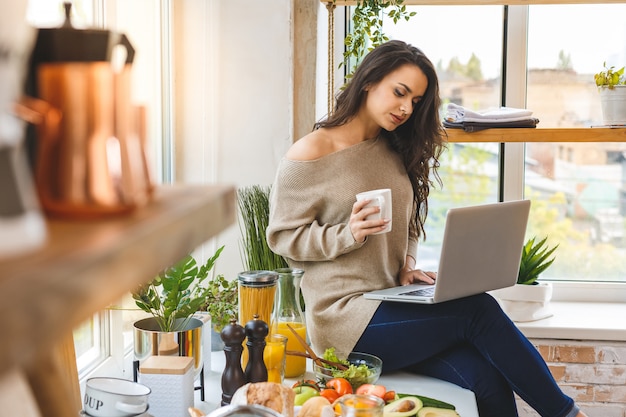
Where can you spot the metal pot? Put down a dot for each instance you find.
(149, 340)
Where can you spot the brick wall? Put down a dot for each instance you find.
(591, 372)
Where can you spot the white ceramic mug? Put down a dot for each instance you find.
(382, 199)
(115, 397)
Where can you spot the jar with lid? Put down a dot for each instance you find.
(287, 316)
(257, 290)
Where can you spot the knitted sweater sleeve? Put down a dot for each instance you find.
(296, 229)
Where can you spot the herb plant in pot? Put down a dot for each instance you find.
(254, 211)
(172, 298)
(529, 298)
(611, 85)
(221, 304)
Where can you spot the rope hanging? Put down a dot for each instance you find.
(330, 6)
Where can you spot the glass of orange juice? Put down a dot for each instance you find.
(274, 356)
(295, 365)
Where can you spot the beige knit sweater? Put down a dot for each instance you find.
(310, 208)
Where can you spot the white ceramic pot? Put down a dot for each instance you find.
(523, 303)
(613, 105)
(115, 397)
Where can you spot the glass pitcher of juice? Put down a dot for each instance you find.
(288, 312)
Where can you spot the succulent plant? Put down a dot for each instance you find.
(534, 260)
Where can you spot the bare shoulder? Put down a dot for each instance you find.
(312, 146)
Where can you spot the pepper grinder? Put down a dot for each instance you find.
(256, 331)
(233, 376)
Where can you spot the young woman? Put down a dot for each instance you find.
(385, 132)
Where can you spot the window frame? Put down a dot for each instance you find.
(513, 146)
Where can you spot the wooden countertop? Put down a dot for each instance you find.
(86, 265)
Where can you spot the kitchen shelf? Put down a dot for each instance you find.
(480, 2)
(588, 134)
(86, 265)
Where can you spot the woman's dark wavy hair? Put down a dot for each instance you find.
(419, 140)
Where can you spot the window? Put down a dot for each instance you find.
(577, 189)
(583, 182)
(467, 52)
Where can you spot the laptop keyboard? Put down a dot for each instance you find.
(422, 292)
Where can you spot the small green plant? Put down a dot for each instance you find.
(609, 77)
(534, 260)
(221, 302)
(176, 292)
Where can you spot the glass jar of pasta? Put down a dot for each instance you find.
(257, 290)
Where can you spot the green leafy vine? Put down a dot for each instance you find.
(366, 31)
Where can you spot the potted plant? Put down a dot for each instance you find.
(172, 298)
(220, 305)
(221, 301)
(534, 261)
(529, 299)
(254, 208)
(611, 85)
(176, 294)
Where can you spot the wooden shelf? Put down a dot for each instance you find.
(481, 2)
(86, 265)
(599, 134)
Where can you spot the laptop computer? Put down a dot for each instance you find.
(481, 251)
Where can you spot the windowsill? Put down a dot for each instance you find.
(580, 321)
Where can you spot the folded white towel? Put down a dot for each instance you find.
(458, 114)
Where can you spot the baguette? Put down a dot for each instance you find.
(268, 394)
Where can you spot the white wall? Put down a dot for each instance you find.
(232, 90)
(233, 108)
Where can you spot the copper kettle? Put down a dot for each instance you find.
(93, 163)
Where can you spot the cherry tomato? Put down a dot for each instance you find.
(371, 389)
(389, 397)
(341, 385)
(330, 394)
(306, 383)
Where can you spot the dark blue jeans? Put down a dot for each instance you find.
(471, 343)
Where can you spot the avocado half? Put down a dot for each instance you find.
(404, 407)
(436, 412)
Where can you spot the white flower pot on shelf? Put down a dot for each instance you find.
(613, 103)
(523, 303)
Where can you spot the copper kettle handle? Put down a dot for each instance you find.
(47, 120)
